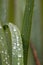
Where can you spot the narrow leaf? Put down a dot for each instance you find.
(17, 49)
(26, 27)
(4, 11)
(11, 11)
(19, 12)
(3, 48)
(8, 41)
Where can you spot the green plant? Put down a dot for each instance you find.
(18, 24)
(7, 15)
(11, 49)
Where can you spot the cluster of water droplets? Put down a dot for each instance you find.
(3, 48)
(17, 50)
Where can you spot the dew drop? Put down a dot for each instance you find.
(14, 29)
(14, 47)
(19, 49)
(14, 44)
(5, 52)
(19, 55)
(18, 44)
(18, 63)
(2, 51)
(17, 37)
(1, 37)
(6, 58)
(6, 62)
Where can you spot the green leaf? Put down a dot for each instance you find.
(26, 27)
(19, 12)
(3, 48)
(7, 11)
(31, 60)
(8, 41)
(4, 11)
(36, 33)
(11, 11)
(17, 48)
(41, 8)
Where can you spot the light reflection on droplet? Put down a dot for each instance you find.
(19, 49)
(6, 52)
(17, 37)
(18, 44)
(2, 51)
(19, 55)
(14, 47)
(1, 37)
(18, 63)
(6, 58)
(14, 29)
(14, 43)
(6, 62)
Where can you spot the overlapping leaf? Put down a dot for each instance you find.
(26, 27)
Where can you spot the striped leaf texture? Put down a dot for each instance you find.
(11, 48)
(8, 41)
(26, 27)
(4, 56)
(17, 48)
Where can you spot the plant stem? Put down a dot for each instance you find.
(35, 54)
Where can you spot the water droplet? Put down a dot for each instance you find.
(18, 44)
(14, 47)
(1, 37)
(6, 52)
(6, 58)
(19, 55)
(14, 29)
(14, 44)
(19, 49)
(18, 63)
(17, 37)
(2, 51)
(6, 62)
